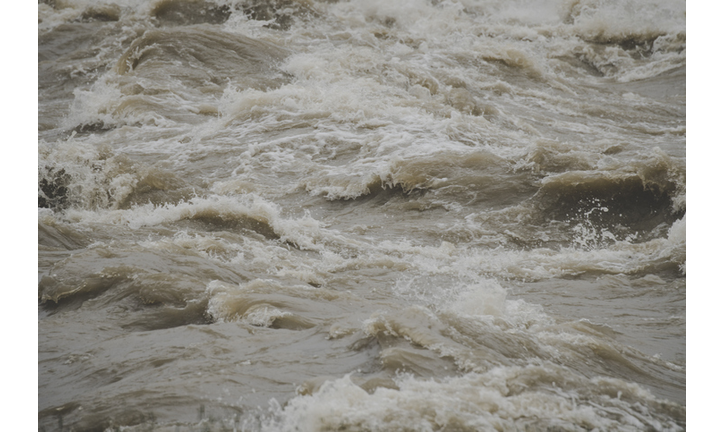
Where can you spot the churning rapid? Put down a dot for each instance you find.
(380, 215)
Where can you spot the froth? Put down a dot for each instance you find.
(508, 398)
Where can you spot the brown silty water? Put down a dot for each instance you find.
(398, 215)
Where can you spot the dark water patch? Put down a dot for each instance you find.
(595, 57)
(92, 178)
(584, 63)
(80, 183)
(623, 204)
(381, 192)
(103, 13)
(640, 45)
(188, 12)
(148, 194)
(53, 188)
(219, 221)
(358, 189)
(512, 63)
(281, 13)
(91, 128)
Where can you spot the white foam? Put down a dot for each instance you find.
(506, 398)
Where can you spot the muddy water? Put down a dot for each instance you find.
(383, 215)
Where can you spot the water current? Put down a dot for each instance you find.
(380, 215)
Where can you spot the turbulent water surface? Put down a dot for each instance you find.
(380, 215)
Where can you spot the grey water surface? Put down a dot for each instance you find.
(383, 215)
